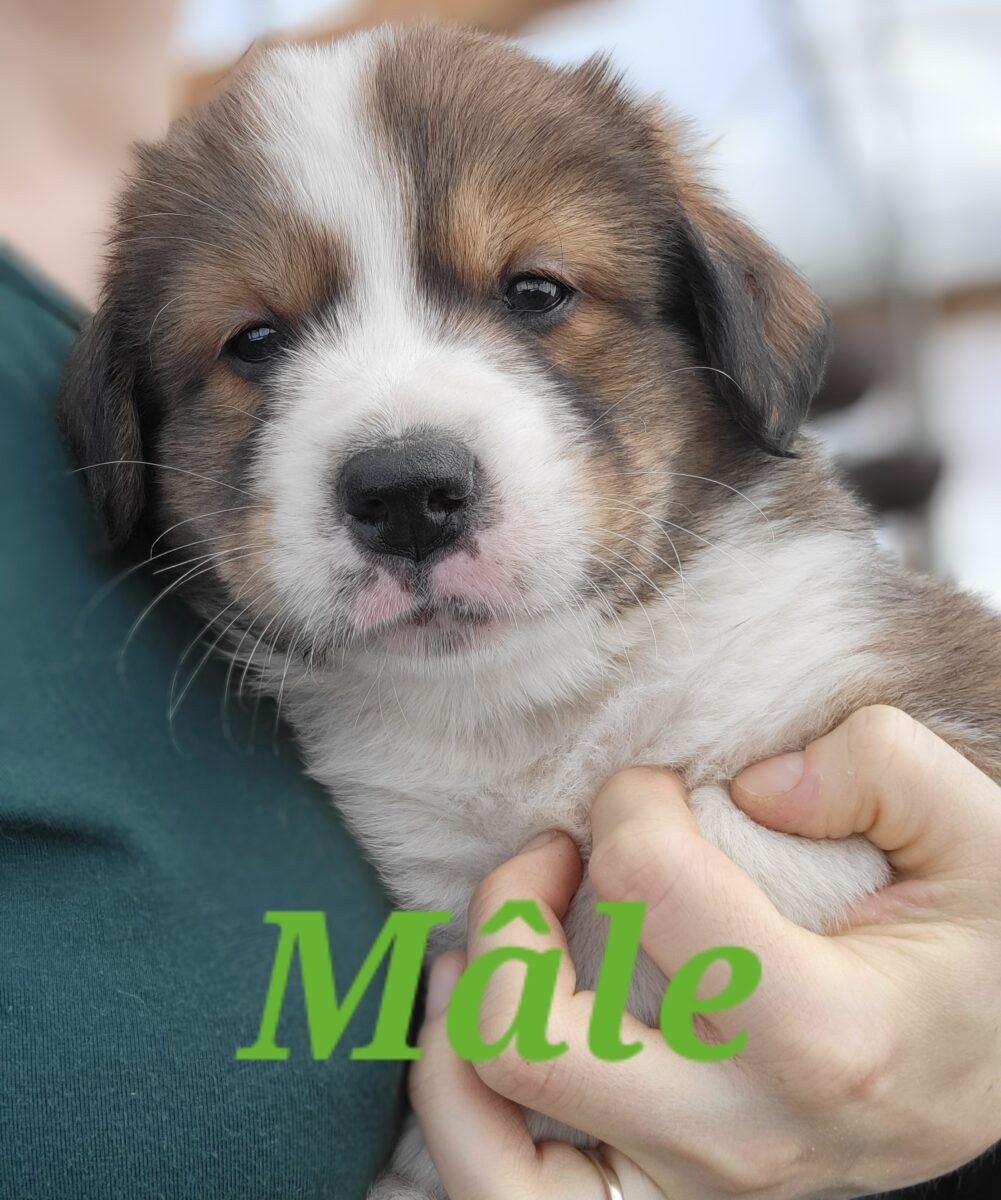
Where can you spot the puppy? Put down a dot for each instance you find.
(484, 415)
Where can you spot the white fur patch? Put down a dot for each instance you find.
(442, 779)
(444, 771)
(383, 365)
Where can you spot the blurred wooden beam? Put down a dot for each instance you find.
(971, 299)
(493, 16)
(871, 311)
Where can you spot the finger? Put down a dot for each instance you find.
(478, 1139)
(886, 776)
(635, 1182)
(646, 847)
(567, 1172)
(626, 1103)
(546, 872)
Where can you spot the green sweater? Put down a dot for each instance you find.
(136, 863)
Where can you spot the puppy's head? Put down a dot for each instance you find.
(416, 340)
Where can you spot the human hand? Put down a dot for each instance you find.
(873, 1057)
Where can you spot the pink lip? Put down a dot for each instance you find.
(438, 630)
(385, 601)
(396, 614)
(478, 578)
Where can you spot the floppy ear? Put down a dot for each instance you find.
(761, 326)
(100, 421)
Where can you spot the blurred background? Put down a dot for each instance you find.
(862, 137)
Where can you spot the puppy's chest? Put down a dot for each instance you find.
(437, 812)
(441, 787)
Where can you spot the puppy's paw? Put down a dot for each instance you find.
(811, 882)
(394, 1187)
(411, 1174)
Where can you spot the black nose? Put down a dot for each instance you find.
(409, 497)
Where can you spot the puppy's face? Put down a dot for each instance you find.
(424, 345)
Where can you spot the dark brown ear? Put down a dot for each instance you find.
(100, 421)
(764, 332)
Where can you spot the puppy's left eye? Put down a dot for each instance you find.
(535, 294)
(255, 345)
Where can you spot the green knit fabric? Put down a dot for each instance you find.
(136, 863)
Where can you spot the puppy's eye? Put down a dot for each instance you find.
(255, 345)
(535, 294)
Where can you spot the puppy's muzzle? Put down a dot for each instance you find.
(410, 498)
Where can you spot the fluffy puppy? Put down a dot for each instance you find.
(484, 416)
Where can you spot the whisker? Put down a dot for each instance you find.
(212, 208)
(242, 411)
(140, 462)
(208, 627)
(673, 607)
(234, 658)
(202, 517)
(160, 312)
(193, 573)
(175, 704)
(691, 532)
(654, 477)
(106, 589)
(639, 603)
(608, 408)
(165, 237)
(281, 688)
(685, 582)
(202, 557)
(610, 610)
(704, 367)
(736, 491)
(274, 644)
(253, 653)
(288, 659)
(361, 707)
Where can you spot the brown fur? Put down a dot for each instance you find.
(687, 360)
(691, 353)
(515, 164)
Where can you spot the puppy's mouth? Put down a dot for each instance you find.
(437, 613)
(435, 626)
(458, 601)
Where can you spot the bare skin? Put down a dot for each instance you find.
(86, 81)
(873, 1058)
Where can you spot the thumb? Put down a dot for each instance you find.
(882, 774)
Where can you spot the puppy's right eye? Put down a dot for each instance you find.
(255, 345)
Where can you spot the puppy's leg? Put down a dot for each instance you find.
(811, 882)
(411, 1175)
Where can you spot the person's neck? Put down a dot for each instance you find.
(97, 74)
(83, 83)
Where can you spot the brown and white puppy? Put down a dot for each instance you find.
(484, 417)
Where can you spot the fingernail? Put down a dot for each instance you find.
(773, 776)
(445, 972)
(540, 839)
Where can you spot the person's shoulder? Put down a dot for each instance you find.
(39, 323)
(152, 812)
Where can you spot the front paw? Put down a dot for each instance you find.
(394, 1187)
(411, 1174)
(811, 882)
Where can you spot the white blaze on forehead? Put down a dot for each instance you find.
(314, 105)
(382, 364)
